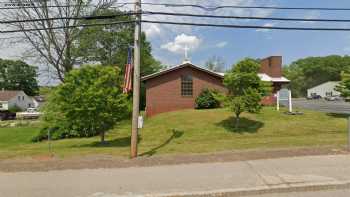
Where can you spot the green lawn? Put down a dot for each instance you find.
(192, 131)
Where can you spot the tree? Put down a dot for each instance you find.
(312, 71)
(90, 102)
(52, 47)
(215, 63)
(18, 75)
(108, 45)
(344, 85)
(245, 88)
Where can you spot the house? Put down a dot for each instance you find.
(324, 89)
(177, 88)
(9, 99)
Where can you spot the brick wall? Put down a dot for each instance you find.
(272, 66)
(164, 92)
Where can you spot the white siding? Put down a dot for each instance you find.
(323, 89)
(22, 101)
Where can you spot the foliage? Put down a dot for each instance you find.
(344, 85)
(215, 63)
(312, 71)
(90, 102)
(108, 45)
(245, 88)
(18, 75)
(208, 99)
(15, 109)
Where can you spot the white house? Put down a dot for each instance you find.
(10, 99)
(324, 89)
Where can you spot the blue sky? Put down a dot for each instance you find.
(235, 44)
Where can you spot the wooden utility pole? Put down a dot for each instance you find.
(136, 84)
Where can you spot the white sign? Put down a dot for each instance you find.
(140, 122)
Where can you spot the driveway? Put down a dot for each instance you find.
(339, 107)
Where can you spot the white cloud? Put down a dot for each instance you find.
(180, 42)
(266, 25)
(221, 44)
(152, 30)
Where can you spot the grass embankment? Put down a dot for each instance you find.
(192, 131)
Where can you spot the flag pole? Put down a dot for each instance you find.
(136, 84)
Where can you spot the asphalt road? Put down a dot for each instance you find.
(339, 107)
(330, 193)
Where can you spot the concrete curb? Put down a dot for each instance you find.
(298, 187)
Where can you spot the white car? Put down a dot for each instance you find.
(30, 113)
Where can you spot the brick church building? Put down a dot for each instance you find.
(177, 88)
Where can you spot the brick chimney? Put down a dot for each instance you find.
(272, 66)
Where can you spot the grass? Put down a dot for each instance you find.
(192, 131)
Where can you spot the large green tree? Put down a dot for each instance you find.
(90, 102)
(245, 88)
(309, 72)
(344, 85)
(18, 75)
(108, 45)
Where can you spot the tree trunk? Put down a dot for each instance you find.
(102, 134)
(237, 121)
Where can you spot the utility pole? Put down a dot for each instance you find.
(136, 84)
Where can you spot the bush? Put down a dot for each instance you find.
(89, 103)
(208, 99)
(15, 109)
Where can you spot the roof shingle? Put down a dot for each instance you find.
(7, 94)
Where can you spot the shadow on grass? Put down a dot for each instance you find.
(176, 134)
(245, 125)
(339, 115)
(119, 142)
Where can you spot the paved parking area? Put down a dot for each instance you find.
(339, 107)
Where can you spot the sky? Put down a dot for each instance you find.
(168, 41)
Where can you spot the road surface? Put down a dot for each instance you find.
(339, 107)
(179, 179)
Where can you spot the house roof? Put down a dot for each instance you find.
(6, 95)
(263, 76)
(334, 83)
(185, 64)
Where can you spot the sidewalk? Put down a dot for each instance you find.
(313, 172)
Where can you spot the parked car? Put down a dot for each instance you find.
(333, 98)
(312, 97)
(7, 115)
(30, 113)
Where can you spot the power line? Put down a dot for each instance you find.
(246, 17)
(71, 18)
(58, 6)
(207, 8)
(175, 14)
(247, 26)
(67, 27)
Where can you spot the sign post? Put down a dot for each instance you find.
(278, 101)
(290, 101)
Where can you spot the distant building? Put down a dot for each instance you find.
(324, 89)
(9, 99)
(177, 88)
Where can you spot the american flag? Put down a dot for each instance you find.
(128, 73)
